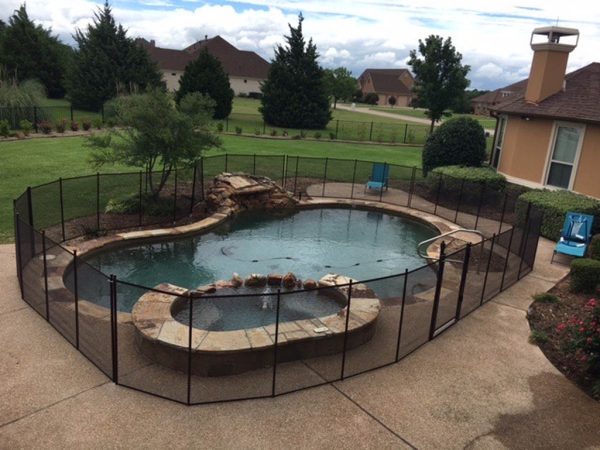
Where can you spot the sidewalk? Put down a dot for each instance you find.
(478, 385)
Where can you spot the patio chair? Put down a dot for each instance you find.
(380, 174)
(575, 235)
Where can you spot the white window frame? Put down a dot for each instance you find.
(549, 160)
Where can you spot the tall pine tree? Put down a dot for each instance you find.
(295, 93)
(206, 75)
(108, 62)
(29, 51)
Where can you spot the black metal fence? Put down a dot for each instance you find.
(86, 305)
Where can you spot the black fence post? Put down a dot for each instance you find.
(189, 361)
(503, 211)
(76, 295)
(487, 268)
(226, 162)
(283, 167)
(412, 186)
(114, 327)
(438, 290)
(349, 297)
(353, 178)
(274, 385)
(337, 127)
(31, 228)
(97, 200)
(102, 113)
(193, 196)
(71, 107)
(460, 194)
(202, 178)
(483, 186)
(140, 205)
(524, 239)
(437, 195)
(264, 127)
(62, 208)
(45, 275)
(35, 119)
(463, 281)
(175, 198)
(405, 132)
(401, 315)
(371, 132)
(512, 232)
(18, 246)
(296, 175)
(226, 124)
(325, 176)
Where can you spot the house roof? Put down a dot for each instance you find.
(494, 97)
(579, 101)
(388, 80)
(237, 63)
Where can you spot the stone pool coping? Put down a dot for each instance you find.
(153, 318)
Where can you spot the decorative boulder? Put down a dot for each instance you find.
(236, 280)
(289, 280)
(256, 280)
(202, 290)
(274, 279)
(309, 283)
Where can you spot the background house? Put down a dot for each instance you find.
(386, 83)
(246, 69)
(483, 104)
(549, 134)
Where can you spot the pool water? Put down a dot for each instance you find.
(310, 243)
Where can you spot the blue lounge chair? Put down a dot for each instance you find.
(575, 235)
(379, 177)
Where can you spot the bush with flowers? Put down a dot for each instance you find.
(583, 335)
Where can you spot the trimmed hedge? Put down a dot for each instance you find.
(585, 275)
(494, 180)
(594, 250)
(555, 205)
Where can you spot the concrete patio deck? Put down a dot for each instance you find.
(478, 385)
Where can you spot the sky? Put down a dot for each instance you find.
(493, 36)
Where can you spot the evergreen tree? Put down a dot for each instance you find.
(206, 75)
(108, 62)
(440, 77)
(295, 93)
(29, 51)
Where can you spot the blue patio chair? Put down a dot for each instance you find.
(575, 236)
(379, 178)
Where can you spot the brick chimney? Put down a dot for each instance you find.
(549, 65)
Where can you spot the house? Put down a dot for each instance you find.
(387, 84)
(246, 69)
(482, 104)
(548, 136)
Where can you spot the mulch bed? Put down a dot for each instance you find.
(546, 316)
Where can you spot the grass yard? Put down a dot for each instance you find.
(55, 109)
(486, 122)
(37, 161)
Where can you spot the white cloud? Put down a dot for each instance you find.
(492, 36)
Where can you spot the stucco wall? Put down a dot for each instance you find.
(587, 180)
(525, 148)
(171, 77)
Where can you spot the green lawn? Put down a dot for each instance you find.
(55, 109)
(37, 161)
(486, 122)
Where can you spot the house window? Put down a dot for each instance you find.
(498, 143)
(245, 81)
(565, 149)
(173, 73)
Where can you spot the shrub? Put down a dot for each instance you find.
(220, 127)
(273, 132)
(594, 250)
(585, 275)
(317, 135)
(61, 126)
(4, 130)
(331, 135)
(584, 336)
(98, 124)
(26, 126)
(111, 123)
(86, 124)
(458, 141)
(538, 337)
(255, 95)
(297, 137)
(131, 205)
(238, 130)
(45, 127)
(555, 205)
(410, 136)
(243, 95)
(302, 134)
(371, 98)
(257, 132)
(74, 126)
(545, 297)
(493, 180)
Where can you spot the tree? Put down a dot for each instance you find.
(294, 94)
(29, 51)
(156, 134)
(440, 77)
(392, 100)
(108, 62)
(457, 142)
(341, 85)
(206, 75)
